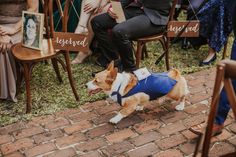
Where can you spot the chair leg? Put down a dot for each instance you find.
(19, 80)
(26, 67)
(55, 67)
(163, 44)
(144, 51)
(225, 50)
(68, 68)
(167, 54)
(199, 140)
(139, 53)
(213, 110)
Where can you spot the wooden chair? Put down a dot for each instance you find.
(225, 50)
(226, 70)
(161, 37)
(27, 58)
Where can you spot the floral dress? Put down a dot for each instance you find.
(215, 23)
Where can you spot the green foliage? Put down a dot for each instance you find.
(49, 96)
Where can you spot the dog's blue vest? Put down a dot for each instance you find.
(155, 85)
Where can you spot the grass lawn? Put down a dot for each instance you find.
(49, 96)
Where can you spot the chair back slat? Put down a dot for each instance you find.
(66, 15)
(172, 10)
(230, 70)
(48, 11)
(46, 24)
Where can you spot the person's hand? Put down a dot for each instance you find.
(7, 30)
(99, 9)
(91, 5)
(5, 43)
(5, 39)
(111, 13)
(4, 47)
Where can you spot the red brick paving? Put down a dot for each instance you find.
(159, 131)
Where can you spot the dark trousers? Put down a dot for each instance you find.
(114, 38)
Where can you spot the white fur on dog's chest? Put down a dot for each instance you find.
(121, 82)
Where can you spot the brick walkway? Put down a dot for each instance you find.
(159, 131)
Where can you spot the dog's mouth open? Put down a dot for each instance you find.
(92, 88)
(95, 91)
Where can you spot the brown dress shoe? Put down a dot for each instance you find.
(200, 128)
(217, 129)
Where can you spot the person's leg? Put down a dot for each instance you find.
(133, 28)
(211, 56)
(82, 55)
(224, 106)
(101, 25)
(84, 17)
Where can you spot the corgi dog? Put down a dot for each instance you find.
(131, 91)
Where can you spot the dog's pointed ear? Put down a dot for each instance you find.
(111, 76)
(110, 66)
(114, 73)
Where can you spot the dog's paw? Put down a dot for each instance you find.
(180, 107)
(139, 108)
(116, 119)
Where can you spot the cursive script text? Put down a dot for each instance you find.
(70, 42)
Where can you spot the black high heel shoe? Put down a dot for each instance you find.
(202, 63)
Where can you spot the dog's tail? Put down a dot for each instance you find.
(174, 74)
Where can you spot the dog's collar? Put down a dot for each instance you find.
(118, 86)
(117, 83)
(116, 96)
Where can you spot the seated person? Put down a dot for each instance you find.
(224, 107)
(10, 26)
(143, 18)
(215, 26)
(89, 9)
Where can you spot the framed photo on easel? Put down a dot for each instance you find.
(32, 29)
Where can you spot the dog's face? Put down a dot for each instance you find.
(103, 80)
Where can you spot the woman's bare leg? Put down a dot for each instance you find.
(82, 55)
(84, 17)
(211, 54)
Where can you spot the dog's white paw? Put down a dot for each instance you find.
(180, 107)
(139, 108)
(116, 119)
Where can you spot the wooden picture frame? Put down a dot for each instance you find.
(32, 29)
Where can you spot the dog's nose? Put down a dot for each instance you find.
(93, 74)
(86, 85)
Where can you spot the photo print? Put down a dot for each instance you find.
(32, 28)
